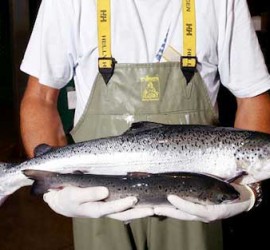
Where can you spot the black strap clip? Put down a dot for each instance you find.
(190, 67)
(106, 72)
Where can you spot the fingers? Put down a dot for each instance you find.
(85, 202)
(99, 209)
(175, 213)
(212, 212)
(203, 213)
(76, 194)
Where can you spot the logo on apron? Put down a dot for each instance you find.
(150, 88)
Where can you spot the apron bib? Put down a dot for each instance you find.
(144, 92)
(156, 92)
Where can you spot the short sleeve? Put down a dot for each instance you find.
(242, 67)
(48, 55)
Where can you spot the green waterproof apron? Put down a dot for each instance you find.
(155, 92)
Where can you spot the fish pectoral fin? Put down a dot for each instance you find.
(42, 149)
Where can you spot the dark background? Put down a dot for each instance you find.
(26, 222)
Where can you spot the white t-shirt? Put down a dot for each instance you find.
(64, 43)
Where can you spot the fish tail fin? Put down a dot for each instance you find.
(41, 180)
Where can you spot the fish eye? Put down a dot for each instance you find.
(221, 198)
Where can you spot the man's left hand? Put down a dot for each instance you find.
(186, 210)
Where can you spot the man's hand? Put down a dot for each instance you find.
(87, 203)
(186, 210)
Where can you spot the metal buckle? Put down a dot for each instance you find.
(106, 71)
(188, 62)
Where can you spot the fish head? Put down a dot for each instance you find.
(223, 193)
(226, 197)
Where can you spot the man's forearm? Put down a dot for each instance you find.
(40, 121)
(253, 113)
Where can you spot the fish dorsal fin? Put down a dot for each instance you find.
(78, 172)
(42, 149)
(143, 126)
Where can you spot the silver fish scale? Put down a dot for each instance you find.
(150, 189)
(255, 148)
(160, 148)
(223, 152)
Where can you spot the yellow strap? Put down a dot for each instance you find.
(189, 34)
(104, 33)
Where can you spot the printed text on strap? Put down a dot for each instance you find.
(106, 62)
(189, 59)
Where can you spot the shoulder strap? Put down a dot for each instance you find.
(105, 61)
(189, 59)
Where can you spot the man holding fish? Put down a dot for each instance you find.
(157, 61)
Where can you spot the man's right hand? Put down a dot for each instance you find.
(88, 203)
